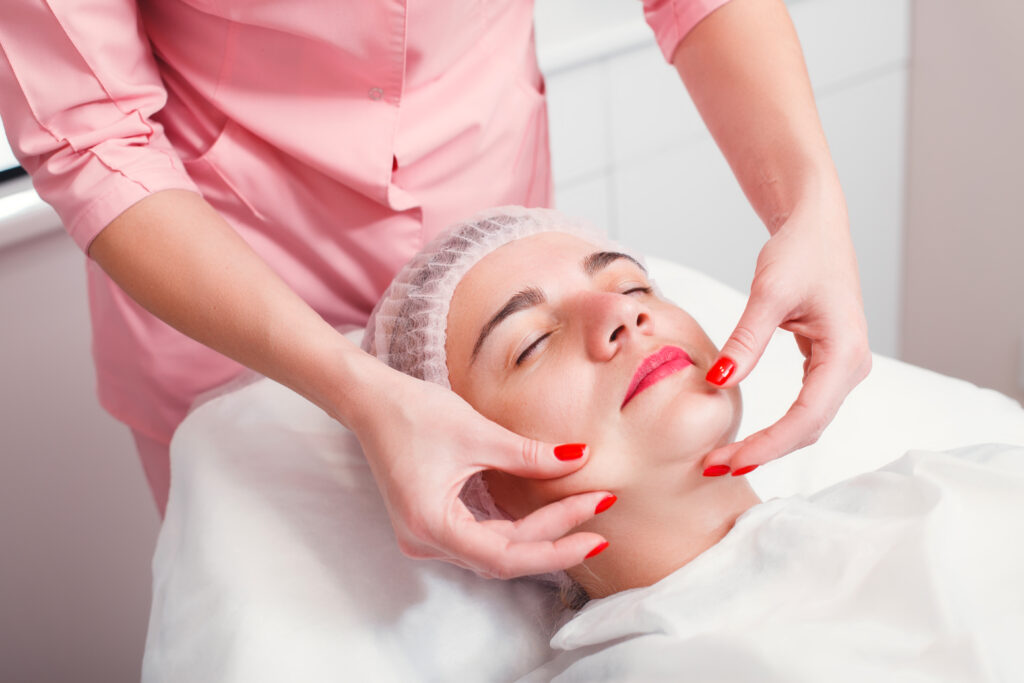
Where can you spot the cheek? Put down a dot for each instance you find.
(554, 407)
(551, 403)
(676, 324)
(705, 349)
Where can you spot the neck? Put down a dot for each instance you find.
(660, 524)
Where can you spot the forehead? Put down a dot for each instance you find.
(520, 259)
(550, 261)
(532, 260)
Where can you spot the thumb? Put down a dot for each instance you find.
(746, 344)
(534, 459)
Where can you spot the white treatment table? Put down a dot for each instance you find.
(276, 561)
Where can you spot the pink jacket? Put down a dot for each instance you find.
(336, 136)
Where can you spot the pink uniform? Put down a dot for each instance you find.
(335, 136)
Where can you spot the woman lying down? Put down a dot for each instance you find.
(911, 572)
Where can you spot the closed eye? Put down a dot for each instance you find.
(531, 348)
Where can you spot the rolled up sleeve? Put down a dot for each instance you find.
(671, 20)
(78, 85)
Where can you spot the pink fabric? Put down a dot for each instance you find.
(671, 20)
(156, 463)
(336, 136)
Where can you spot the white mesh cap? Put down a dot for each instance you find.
(407, 328)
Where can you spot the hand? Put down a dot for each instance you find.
(425, 442)
(805, 282)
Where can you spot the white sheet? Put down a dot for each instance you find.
(276, 561)
(909, 573)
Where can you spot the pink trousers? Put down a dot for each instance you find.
(156, 463)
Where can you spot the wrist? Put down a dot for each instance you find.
(819, 198)
(326, 368)
(363, 385)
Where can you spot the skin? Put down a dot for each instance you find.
(648, 452)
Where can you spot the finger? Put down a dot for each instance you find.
(495, 556)
(715, 460)
(817, 404)
(747, 342)
(459, 563)
(524, 457)
(804, 344)
(555, 519)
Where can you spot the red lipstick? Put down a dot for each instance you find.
(666, 361)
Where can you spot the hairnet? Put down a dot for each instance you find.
(406, 329)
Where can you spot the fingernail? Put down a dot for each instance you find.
(720, 371)
(716, 470)
(595, 551)
(570, 451)
(605, 503)
(744, 470)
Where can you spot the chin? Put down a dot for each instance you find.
(694, 424)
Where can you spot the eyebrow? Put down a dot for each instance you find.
(601, 259)
(532, 296)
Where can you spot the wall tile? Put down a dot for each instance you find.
(844, 38)
(649, 108)
(577, 115)
(866, 129)
(590, 199)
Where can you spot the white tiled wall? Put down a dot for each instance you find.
(630, 150)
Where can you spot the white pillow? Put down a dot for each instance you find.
(276, 560)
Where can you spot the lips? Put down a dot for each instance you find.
(666, 361)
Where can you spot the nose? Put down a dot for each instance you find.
(612, 321)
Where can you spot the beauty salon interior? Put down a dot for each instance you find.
(276, 559)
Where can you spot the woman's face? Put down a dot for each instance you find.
(546, 336)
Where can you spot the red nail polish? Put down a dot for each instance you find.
(716, 470)
(605, 503)
(570, 451)
(595, 551)
(721, 371)
(744, 470)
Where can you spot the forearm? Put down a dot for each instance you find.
(178, 258)
(745, 72)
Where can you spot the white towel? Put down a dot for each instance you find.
(913, 572)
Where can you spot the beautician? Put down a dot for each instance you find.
(245, 177)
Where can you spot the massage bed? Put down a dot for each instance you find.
(276, 560)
